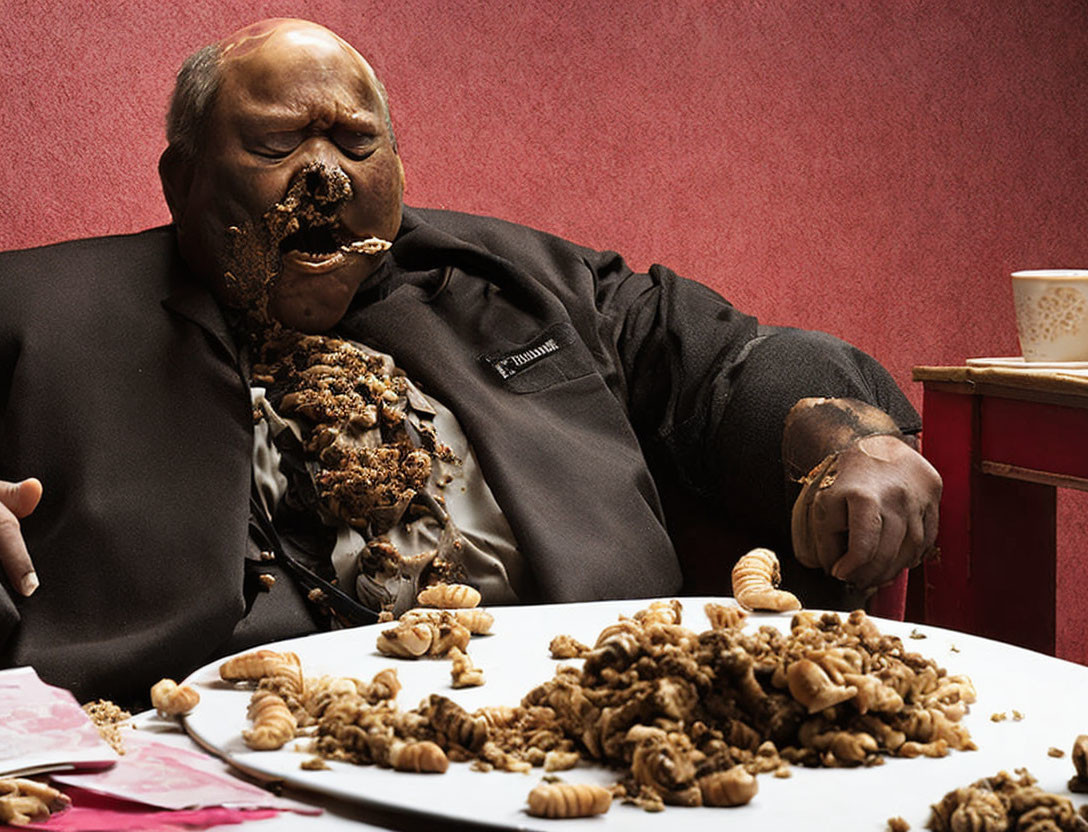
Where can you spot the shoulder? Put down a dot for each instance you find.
(119, 250)
(64, 278)
(465, 225)
(113, 256)
(501, 237)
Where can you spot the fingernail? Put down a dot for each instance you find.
(29, 583)
(837, 570)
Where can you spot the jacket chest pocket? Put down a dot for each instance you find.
(552, 357)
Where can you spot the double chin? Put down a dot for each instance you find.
(314, 297)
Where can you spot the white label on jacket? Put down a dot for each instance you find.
(514, 362)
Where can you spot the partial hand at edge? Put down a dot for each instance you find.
(868, 511)
(17, 500)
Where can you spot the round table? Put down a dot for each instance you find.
(515, 658)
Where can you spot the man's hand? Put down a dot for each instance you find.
(17, 500)
(867, 512)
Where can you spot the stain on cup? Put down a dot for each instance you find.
(1052, 313)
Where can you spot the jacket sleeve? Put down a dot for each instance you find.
(9, 352)
(708, 388)
(9, 616)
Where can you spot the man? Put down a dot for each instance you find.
(537, 385)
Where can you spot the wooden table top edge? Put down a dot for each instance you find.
(1054, 385)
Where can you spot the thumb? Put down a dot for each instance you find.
(803, 525)
(21, 498)
(17, 500)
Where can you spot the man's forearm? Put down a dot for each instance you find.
(816, 427)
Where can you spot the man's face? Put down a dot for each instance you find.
(297, 164)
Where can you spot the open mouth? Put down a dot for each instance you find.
(305, 225)
(319, 242)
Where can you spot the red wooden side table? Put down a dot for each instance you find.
(1003, 440)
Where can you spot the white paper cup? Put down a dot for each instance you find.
(1052, 313)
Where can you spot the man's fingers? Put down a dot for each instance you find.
(829, 525)
(21, 498)
(13, 554)
(866, 526)
(898, 542)
(804, 520)
(930, 522)
(914, 542)
(17, 500)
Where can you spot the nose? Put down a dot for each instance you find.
(324, 184)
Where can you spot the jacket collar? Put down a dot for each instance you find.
(421, 245)
(190, 299)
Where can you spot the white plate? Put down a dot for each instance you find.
(1048, 691)
(1017, 362)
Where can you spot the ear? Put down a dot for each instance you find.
(176, 175)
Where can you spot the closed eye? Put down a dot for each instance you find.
(277, 145)
(355, 144)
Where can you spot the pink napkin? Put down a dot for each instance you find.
(90, 811)
(166, 777)
(44, 728)
(158, 788)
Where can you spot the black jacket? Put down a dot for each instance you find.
(120, 389)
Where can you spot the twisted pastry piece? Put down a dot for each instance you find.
(755, 577)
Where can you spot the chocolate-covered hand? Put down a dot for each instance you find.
(867, 511)
(17, 500)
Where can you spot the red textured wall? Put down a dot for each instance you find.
(872, 169)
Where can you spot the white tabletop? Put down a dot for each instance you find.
(1047, 691)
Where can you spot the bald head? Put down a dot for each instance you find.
(201, 74)
(277, 32)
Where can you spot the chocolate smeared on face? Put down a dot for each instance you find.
(252, 263)
(304, 228)
(307, 219)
